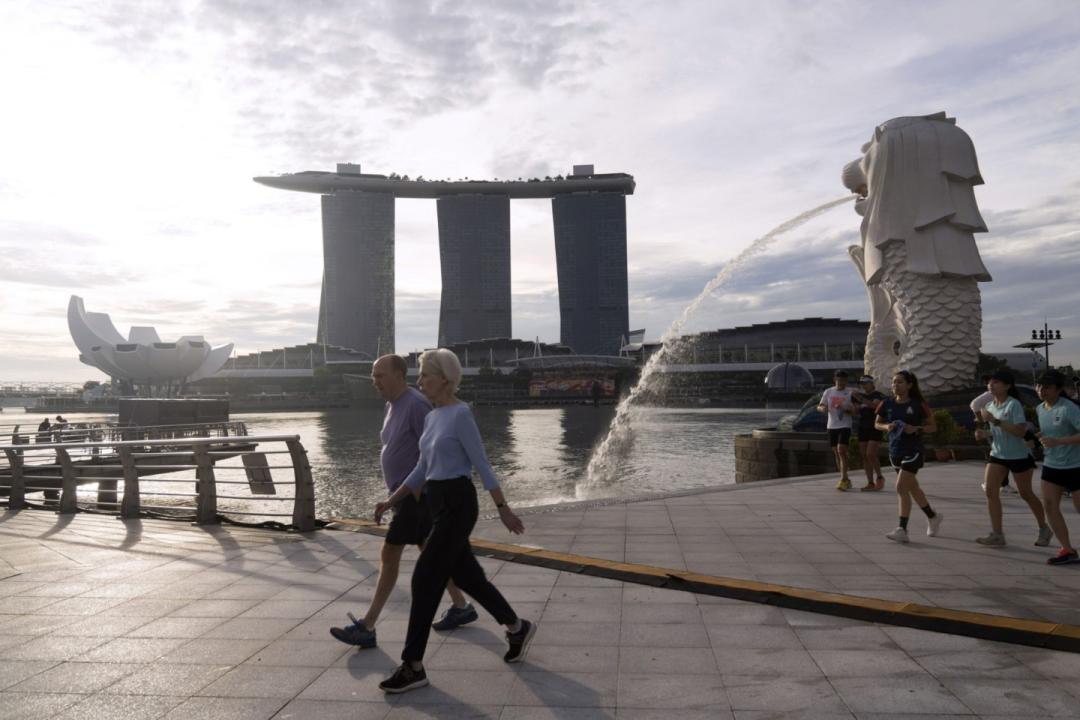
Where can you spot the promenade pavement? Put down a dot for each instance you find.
(103, 618)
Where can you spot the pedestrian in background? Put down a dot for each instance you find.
(906, 417)
(1059, 431)
(838, 404)
(1008, 454)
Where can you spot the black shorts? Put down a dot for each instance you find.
(839, 436)
(868, 433)
(411, 523)
(910, 463)
(1015, 466)
(1068, 478)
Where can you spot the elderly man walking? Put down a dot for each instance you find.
(403, 423)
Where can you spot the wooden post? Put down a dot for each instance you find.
(17, 491)
(130, 505)
(68, 486)
(206, 487)
(304, 498)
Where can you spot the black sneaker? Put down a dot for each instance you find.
(404, 679)
(1064, 557)
(456, 617)
(519, 642)
(355, 634)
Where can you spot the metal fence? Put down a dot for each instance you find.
(125, 475)
(75, 432)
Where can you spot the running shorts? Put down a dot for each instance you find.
(910, 463)
(839, 436)
(1017, 465)
(411, 523)
(1068, 478)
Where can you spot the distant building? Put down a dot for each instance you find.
(590, 254)
(474, 254)
(357, 306)
(812, 339)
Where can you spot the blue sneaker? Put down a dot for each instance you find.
(455, 617)
(355, 634)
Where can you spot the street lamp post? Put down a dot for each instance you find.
(1046, 335)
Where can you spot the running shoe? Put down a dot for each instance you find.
(519, 642)
(844, 484)
(898, 535)
(871, 487)
(355, 634)
(994, 539)
(1045, 533)
(880, 482)
(1064, 557)
(404, 679)
(933, 525)
(456, 617)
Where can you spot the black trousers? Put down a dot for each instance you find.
(447, 555)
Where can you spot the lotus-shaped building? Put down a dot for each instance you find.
(142, 357)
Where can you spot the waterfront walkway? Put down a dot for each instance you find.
(103, 618)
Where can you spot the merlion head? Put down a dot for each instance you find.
(919, 174)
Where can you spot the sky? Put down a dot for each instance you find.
(130, 133)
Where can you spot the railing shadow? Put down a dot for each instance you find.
(62, 521)
(133, 528)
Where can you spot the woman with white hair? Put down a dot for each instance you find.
(450, 447)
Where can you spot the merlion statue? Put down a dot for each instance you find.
(918, 256)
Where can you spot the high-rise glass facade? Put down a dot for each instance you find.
(357, 308)
(590, 254)
(474, 253)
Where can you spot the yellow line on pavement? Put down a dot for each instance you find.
(1038, 633)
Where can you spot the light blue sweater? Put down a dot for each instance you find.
(450, 447)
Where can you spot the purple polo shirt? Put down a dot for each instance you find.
(402, 427)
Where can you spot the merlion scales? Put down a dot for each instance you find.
(918, 256)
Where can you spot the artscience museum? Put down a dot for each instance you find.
(142, 357)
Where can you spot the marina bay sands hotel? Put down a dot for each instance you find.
(357, 309)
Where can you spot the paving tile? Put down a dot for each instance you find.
(252, 628)
(211, 651)
(176, 627)
(551, 689)
(262, 681)
(15, 671)
(562, 633)
(308, 653)
(677, 692)
(204, 708)
(808, 696)
(52, 647)
(915, 695)
(581, 612)
(112, 707)
(663, 635)
(341, 684)
(448, 708)
(666, 660)
(791, 663)
(1044, 698)
(168, 679)
(75, 677)
(333, 710)
(21, 705)
(867, 663)
(571, 659)
(746, 636)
